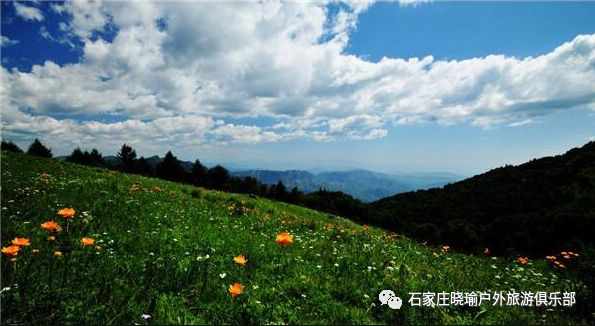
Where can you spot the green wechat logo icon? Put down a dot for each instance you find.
(388, 297)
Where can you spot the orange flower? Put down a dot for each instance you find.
(522, 261)
(240, 260)
(35, 251)
(236, 289)
(445, 248)
(21, 242)
(284, 238)
(11, 250)
(51, 238)
(67, 213)
(550, 257)
(51, 226)
(58, 253)
(87, 242)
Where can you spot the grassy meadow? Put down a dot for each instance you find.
(163, 253)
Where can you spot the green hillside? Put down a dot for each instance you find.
(164, 255)
(534, 208)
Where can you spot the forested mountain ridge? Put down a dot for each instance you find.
(533, 207)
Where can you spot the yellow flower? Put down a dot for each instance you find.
(87, 242)
(11, 250)
(284, 238)
(21, 242)
(236, 289)
(240, 260)
(51, 238)
(35, 251)
(67, 213)
(58, 253)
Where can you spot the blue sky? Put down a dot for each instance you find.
(304, 85)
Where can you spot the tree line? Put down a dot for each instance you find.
(218, 178)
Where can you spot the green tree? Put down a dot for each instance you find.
(127, 158)
(95, 158)
(143, 167)
(217, 177)
(198, 174)
(11, 147)
(38, 149)
(170, 168)
(77, 156)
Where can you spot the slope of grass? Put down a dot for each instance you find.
(166, 251)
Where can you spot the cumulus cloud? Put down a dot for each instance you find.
(178, 72)
(28, 12)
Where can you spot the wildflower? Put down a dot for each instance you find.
(566, 256)
(550, 257)
(236, 289)
(58, 253)
(486, 251)
(240, 260)
(522, 261)
(145, 316)
(366, 227)
(445, 248)
(284, 238)
(45, 177)
(87, 242)
(558, 264)
(51, 238)
(67, 213)
(222, 275)
(11, 250)
(21, 242)
(51, 226)
(13, 259)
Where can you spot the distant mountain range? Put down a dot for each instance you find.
(362, 184)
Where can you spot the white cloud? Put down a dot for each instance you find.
(27, 12)
(178, 72)
(5, 41)
(521, 123)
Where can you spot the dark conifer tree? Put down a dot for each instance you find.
(11, 147)
(170, 168)
(38, 149)
(127, 159)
